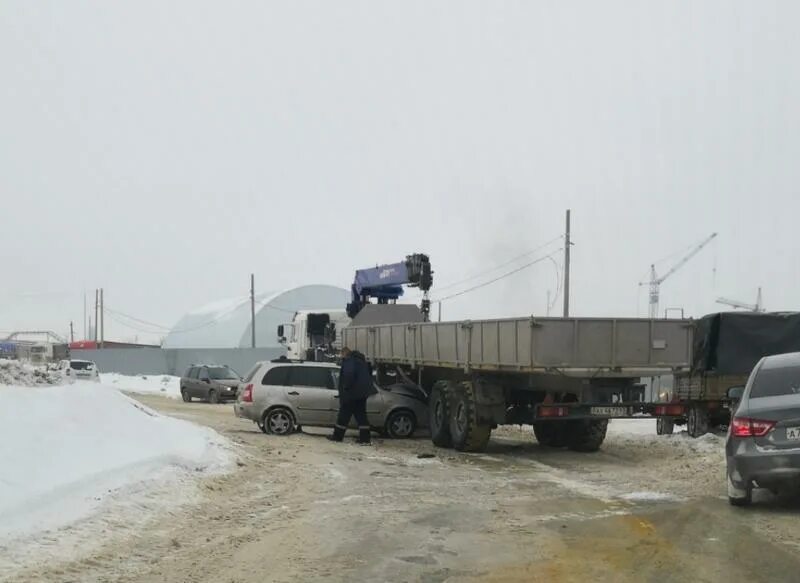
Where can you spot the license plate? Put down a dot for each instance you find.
(793, 433)
(611, 411)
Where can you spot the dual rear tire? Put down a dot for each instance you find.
(583, 435)
(454, 418)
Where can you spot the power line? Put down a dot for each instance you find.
(496, 267)
(135, 319)
(496, 279)
(214, 320)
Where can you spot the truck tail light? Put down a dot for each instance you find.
(550, 411)
(247, 395)
(673, 410)
(747, 427)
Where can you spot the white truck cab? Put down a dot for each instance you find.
(313, 334)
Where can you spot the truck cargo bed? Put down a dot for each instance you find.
(595, 347)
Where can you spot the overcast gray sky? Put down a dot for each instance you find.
(164, 150)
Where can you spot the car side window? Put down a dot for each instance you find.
(203, 374)
(312, 376)
(278, 375)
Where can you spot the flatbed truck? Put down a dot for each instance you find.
(565, 376)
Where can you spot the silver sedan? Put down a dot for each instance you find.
(282, 396)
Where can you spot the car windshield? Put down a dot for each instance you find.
(774, 382)
(221, 373)
(80, 365)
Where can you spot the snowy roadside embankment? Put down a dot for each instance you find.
(164, 385)
(642, 433)
(66, 449)
(14, 372)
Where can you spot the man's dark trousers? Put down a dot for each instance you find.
(353, 408)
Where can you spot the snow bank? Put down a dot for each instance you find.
(66, 448)
(644, 426)
(165, 385)
(644, 431)
(14, 372)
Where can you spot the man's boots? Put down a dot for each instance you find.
(338, 433)
(364, 436)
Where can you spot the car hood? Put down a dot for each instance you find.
(229, 382)
(404, 390)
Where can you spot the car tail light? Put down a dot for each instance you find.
(746, 427)
(546, 411)
(247, 395)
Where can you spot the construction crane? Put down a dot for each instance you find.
(656, 281)
(757, 307)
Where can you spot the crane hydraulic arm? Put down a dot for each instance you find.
(385, 283)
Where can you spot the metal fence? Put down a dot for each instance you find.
(173, 361)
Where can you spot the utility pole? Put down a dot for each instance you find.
(252, 310)
(96, 313)
(84, 314)
(548, 303)
(102, 321)
(71, 333)
(440, 311)
(567, 244)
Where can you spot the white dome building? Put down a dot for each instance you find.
(226, 323)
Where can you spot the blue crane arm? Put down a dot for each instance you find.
(385, 282)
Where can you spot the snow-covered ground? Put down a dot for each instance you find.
(15, 372)
(643, 431)
(67, 451)
(165, 385)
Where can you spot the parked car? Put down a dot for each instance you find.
(210, 382)
(763, 444)
(78, 370)
(280, 397)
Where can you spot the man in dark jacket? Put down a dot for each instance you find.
(355, 386)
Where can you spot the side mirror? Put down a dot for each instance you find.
(735, 393)
(280, 331)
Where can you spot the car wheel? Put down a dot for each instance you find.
(185, 396)
(746, 501)
(401, 424)
(278, 421)
(213, 397)
(743, 497)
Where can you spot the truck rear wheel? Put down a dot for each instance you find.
(586, 435)
(467, 433)
(550, 433)
(665, 426)
(697, 421)
(439, 415)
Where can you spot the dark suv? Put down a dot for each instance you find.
(210, 382)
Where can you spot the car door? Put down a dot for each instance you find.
(203, 382)
(313, 394)
(187, 381)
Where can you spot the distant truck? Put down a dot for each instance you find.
(313, 335)
(726, 347)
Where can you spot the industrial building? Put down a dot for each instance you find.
(227, 323)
